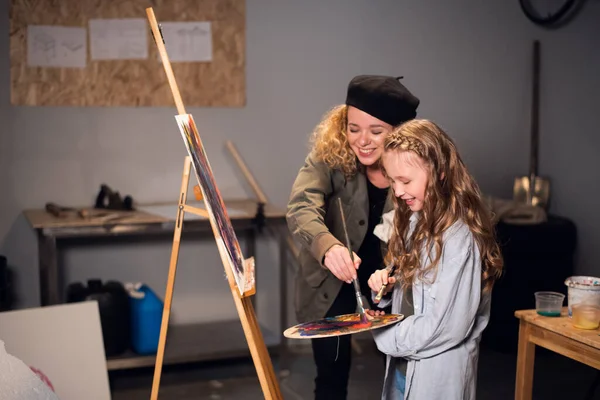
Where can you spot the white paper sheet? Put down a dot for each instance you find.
(56, 46)
(65, 343)
(188, 41)
(118, 39)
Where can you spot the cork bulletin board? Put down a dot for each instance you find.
(140, 80)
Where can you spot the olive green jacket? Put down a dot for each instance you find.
(314, 219)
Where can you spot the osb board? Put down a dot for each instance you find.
(220, 82)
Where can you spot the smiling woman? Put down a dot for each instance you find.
(345, 163)
(365, 137)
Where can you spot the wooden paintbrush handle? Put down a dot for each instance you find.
(380, 293)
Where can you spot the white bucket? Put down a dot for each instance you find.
(583, 289)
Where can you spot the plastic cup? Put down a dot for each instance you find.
(586, 316)
(549, 304)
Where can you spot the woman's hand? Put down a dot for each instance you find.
(379, 278)
(337, 260)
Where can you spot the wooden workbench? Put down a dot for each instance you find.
(152, 213)
(187, 343)
(556, 334)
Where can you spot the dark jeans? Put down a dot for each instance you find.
(333, 355)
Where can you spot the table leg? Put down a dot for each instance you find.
(592, 389)
(525, 363)
(48, 270)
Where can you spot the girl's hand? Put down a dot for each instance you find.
(337, 260)
(371, 314)
(380, 278)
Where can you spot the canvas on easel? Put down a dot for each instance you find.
(239, 271)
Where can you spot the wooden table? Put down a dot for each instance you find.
(187, 343)
(147, 220)
(556, 334)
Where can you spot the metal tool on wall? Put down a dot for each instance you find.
(533, 189)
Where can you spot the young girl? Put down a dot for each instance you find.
(442, 243)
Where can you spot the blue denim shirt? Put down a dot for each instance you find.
(441, 340)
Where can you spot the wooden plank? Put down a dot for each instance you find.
(40, 219)
(567, 347)
(562, 325)
(195, 210)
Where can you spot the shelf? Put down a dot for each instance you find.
(197, 342)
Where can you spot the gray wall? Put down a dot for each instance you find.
(469, 62)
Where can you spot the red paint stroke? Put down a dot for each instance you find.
(43, 377)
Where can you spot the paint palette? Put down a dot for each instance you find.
(340, 325)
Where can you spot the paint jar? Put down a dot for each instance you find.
(586, 316)
(549, 304)
(583, 289)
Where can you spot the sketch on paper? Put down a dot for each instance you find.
(118, 39)
(243, 272)
(188, 41)
(56, 46)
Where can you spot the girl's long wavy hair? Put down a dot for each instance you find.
(451, 194)
(330, 142)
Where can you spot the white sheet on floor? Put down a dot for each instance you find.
(64, 342)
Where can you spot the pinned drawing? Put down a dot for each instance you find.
(339, 325)
(188, 41)
(45, 45)
(118, 39)
(56, 46)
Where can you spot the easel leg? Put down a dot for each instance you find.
(254, 337)
(525, 362)
(258, 349)
(171, 280)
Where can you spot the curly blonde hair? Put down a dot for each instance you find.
(330, 141)
(452, 194)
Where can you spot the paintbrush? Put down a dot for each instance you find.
(359, 296)
(391, 272)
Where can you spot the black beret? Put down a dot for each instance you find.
(383, 97)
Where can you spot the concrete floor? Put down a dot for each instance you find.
(556, 377)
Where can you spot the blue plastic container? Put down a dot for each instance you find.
(146, 317)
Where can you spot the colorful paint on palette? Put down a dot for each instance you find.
(339, 325)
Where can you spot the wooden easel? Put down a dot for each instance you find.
(243, 302)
